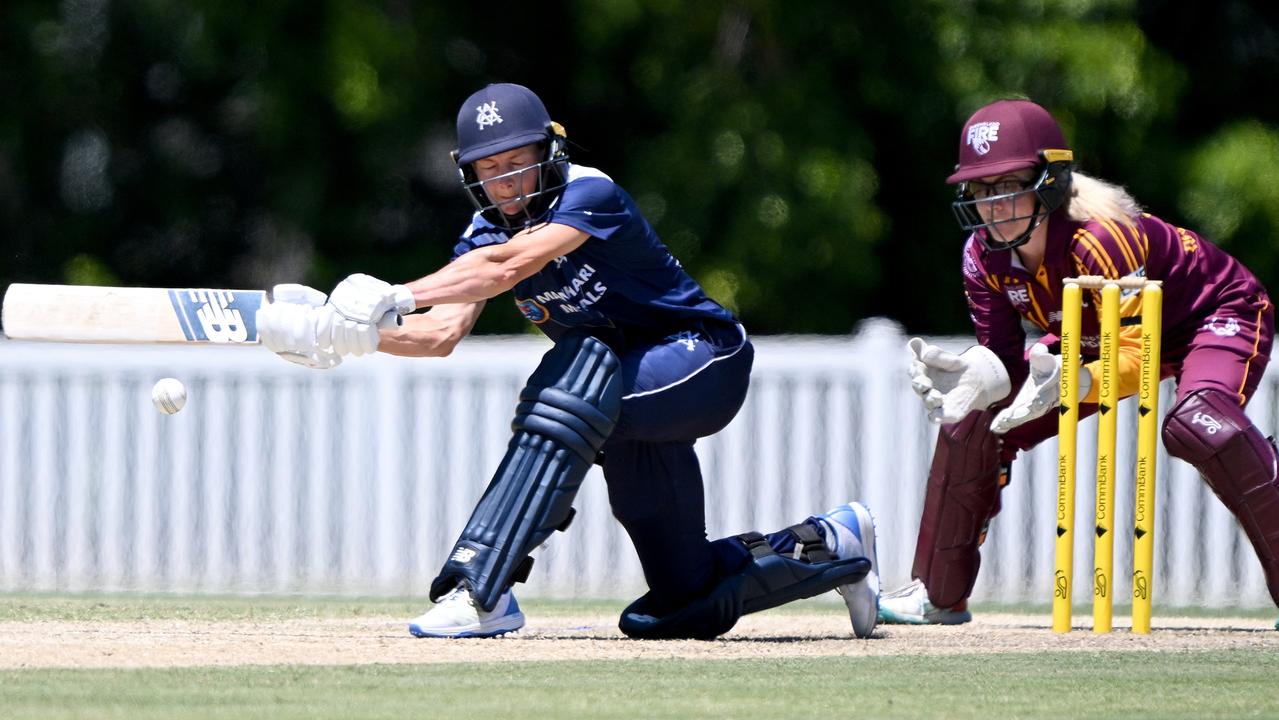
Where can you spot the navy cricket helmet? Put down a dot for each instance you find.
(1005, 137)
(502, 117)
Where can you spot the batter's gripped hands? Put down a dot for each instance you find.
(363, 304)
(295, 325)
(364, 299)
(951, 385)
(1040, 393)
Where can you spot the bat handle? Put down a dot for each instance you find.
(390, 320)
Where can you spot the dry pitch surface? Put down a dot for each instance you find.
(177, 643)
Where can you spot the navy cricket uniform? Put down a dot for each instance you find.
(685, 364)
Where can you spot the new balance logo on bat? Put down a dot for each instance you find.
(217, 316)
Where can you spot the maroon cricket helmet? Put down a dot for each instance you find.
(1003, 137)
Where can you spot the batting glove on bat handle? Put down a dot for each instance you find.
(296, 294)
(363, 298)
(292, 331)
(348, 337)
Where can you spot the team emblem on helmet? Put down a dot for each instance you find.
(486, 115)
(981, 135)
(533, 310)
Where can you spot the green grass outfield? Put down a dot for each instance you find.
(1235, 683)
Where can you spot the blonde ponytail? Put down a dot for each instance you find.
(1093, 199)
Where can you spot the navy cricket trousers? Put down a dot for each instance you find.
(684, 387)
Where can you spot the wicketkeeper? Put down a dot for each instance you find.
(1035, 220)
(643, 364)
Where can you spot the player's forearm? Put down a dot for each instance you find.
(397, 342)
(426, 336)
(478, 275)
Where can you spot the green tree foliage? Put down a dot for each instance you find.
(791, 154)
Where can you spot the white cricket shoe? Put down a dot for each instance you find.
(910, 606)
(850, 532)
(457, 616)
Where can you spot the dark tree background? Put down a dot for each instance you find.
(791, 154)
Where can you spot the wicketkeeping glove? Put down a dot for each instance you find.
(951, 385)
(1040, 393)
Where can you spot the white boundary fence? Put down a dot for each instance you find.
(277, 479)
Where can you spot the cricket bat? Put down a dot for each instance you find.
(84, 313)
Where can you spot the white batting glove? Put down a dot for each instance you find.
(951, 385)
(295, 326)
(297, 294)
(348, 337)
(1040, 393)
(364, 299)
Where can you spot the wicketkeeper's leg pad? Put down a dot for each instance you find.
(1209, 430)
(565, 413)
(767, 581)
(962, 497)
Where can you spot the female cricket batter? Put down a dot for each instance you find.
(1035, 221)
(643, 364)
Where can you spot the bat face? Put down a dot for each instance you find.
(218, 316)
(82, 313)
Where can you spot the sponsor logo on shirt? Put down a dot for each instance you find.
(687, 338)
(1222, 327)
(1019, 295)
(1188, 242)
(533, 310)
(578, 294)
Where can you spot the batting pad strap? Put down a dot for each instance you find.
(755, 543)
(810, 544)
(566, 412)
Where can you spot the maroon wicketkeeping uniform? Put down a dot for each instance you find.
(1218, 325)
(1218, 322)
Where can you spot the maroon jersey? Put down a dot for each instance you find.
(1206, 291)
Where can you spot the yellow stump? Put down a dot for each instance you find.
(1147, 449)
(1107, 430)
(1067, 431)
